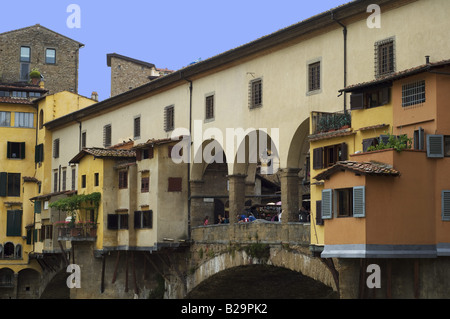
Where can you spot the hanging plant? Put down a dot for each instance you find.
(35, 74)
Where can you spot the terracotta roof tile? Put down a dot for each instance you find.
(362, 168)
(397, 75)
(104, 153)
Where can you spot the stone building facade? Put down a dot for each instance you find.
(128, 73)
(54, 55)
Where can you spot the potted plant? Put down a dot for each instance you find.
(35, 76)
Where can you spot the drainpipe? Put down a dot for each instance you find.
(191, 88)
(344, 30)
(79, 135)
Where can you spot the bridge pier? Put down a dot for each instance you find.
(289, 194)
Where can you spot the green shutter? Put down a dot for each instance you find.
(37, 207)
(359, 201)
(29, 236)
(14, 223)
(327, 204)
(3, 184)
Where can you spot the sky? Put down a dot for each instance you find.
(168, 33)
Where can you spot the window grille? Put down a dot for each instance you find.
(413, 93)
(314, 76)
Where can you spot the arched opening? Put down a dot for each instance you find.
(261, 282)
(6, 278)
(57, 287)
(28, 284)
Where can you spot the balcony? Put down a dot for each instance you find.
(327, 122)
(79, 231)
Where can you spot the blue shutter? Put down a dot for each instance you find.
(327, 204)
(435, 146)
(446, 205)
(359, 201)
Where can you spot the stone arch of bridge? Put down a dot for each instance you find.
(312, 267)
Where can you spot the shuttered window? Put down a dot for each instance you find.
(117, 221)
(39, 153)
(169, 118)
(143, 219)
(9, 184)
(327, 204)
(137, 127)
(37, 207)
(446, 205)
(435, 146)
(15, 150)
(14, 223)
(123, 179)
(359, 201)
(318, 158)
(419, 139)
(357, 101)
(107, 131)
(56, 148)
(319, 220)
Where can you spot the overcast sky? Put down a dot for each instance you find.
(168, 33)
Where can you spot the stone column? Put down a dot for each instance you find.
(236, 195)
(289, 194)
(197, 211)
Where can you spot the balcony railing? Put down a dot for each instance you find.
(325, 122)
(76, 232)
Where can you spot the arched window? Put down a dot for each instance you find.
(9, 250)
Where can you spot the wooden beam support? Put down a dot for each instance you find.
(63, 253)
(102, 285)
(115, 267)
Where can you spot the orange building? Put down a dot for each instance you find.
(386, 201)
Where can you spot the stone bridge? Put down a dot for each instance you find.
(217, 248)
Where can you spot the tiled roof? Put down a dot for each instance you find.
(47, 196)
(103, 153)
(331, 134)
(153, 141)
(30, 179)
(12, 100)
(360, 168)
(398, 75)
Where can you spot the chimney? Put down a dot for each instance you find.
(94, 96)
(427, 57)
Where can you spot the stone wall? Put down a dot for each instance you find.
(61, 76)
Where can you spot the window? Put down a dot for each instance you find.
(369, 142)
(107, 130)
(56, 148)
(39, 153)
(24, 120)
(5, 119)
(137, 127)
(384, 57)
(345, 202)
(25, 54)
(24, 71)
(145, 184)
(10, 184)
(209, 107)
(15, 150)
(117, 221)
(83, 181)
(14, 223)
(74, 178)
(37, 207)
(413, 93)
(96, 179)
(419, 140)
(123, 179)
(370, 98)
(324, 157)
(256, 94)
(19, 94)
(55, 180)
(314, 77)
(319, 220)
(143, 219)
(50, 56)
(64, 178)
(83, 139)
(175, 184)
(169, 118)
